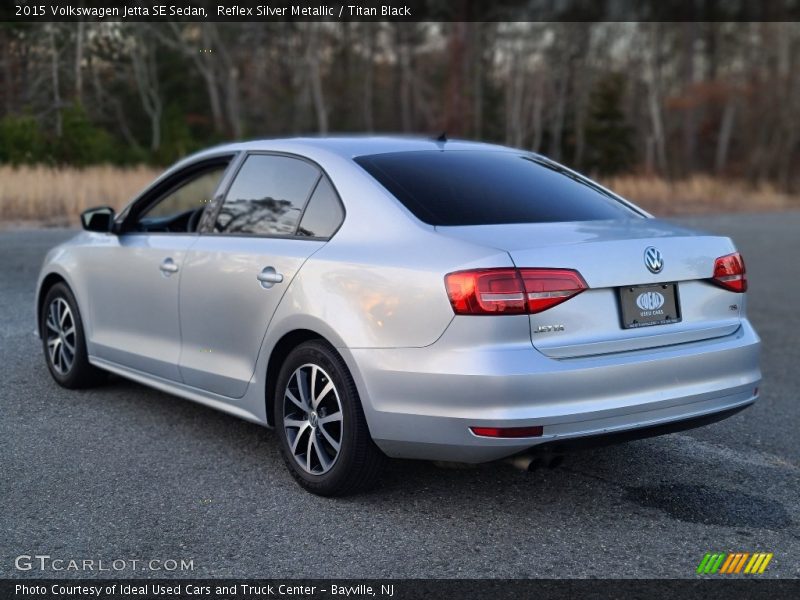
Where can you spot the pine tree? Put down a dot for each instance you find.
(609, 138)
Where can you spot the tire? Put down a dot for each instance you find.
(63, 341)
(308, 426)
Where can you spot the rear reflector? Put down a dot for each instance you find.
(508, 432)
(729, 272)
(509, 291)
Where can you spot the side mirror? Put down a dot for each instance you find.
(100, 219)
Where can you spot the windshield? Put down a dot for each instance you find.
(484, 187)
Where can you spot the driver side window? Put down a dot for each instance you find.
(180, 209)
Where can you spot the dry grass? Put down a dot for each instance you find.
(700, 194)
(56, 196)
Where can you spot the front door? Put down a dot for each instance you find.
(133, 295)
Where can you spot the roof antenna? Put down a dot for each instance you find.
(442, 137)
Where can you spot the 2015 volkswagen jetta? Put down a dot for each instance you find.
(411, 298)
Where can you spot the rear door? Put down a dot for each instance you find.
(277, 212)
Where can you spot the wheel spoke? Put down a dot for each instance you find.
(52, 347)
(308, 451)
(302, 386)
(296, 441)
(299, 423)
(337, 416)
(313, 378)
(317, 399)
(62, 314)
(63, 358)
(70, 346)
(329, 438)
(322, 456)
(51, 324)
(295, 401)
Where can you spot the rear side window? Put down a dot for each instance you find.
(482, 188)
(323, 214)
(268, 196)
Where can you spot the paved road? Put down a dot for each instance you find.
(126, 472)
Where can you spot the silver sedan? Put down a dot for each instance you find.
(428, 299)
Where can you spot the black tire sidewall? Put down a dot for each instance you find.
(353, 424)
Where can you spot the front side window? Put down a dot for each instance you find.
(179, 209)
(268, 196)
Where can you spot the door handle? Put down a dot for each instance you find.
(269, 277)
(168, 267)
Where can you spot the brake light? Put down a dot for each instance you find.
(510, 291)
(486, 292)
(729, 272)
(548, 287)
(508, 432)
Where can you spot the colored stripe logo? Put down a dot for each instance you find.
(734, 563)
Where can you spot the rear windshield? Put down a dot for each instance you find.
(482, 188)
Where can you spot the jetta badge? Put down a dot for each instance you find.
(653, 259)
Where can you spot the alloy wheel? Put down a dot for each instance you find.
(312, 419)
(60, 333)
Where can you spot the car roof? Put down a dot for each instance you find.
(350, 146)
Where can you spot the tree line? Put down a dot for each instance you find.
(671, 99)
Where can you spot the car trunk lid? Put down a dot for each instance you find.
(610, 255)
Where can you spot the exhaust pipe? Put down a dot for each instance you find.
(524, 462)
(531, 462)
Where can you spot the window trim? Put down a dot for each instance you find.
(222, 195)
(165, 185)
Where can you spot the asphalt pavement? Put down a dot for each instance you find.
(124, 472)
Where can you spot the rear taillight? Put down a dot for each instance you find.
(508, 291)
(729, 272)
(547, 287)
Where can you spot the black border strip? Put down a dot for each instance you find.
(403, 10)
(730, 587)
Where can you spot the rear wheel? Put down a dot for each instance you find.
(64, 342)
(323, 434)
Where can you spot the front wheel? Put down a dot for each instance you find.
(64, 342)
(323, 434)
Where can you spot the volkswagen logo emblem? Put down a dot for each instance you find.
(653, 259)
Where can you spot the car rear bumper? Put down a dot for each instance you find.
(421, 402)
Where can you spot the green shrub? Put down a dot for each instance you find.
(81, 142)
(21, 140)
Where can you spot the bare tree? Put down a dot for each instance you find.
(652, 78)
(54, 65)
(371, 36)
(314, 75)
